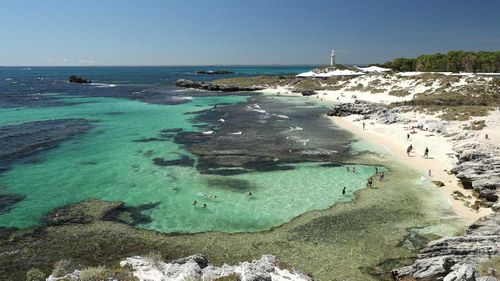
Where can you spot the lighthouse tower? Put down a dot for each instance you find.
(332, 58)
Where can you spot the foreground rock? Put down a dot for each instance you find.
(455, 258)
(214, 87)
(77, 79)
(197, 267)
(479, 168)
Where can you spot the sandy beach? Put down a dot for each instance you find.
(393, 139)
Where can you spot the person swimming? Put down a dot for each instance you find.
(204, 205)
(343, 190)
(195, 202)
(249, 193)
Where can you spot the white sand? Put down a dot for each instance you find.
(393, 139)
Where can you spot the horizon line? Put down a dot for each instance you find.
(185, 65)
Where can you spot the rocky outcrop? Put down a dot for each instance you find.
(209, 72)
(454, 258)
(478, 167)
(207, 86)
(197, 267)
(78, 80)
(367, 110)
(358, 107)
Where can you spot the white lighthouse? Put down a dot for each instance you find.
(332, 58)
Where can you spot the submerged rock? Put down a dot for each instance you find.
(21, 141)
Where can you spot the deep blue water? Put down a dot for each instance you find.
(43, 86)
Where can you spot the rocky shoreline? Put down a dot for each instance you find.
(451, 258)
(207, 86)
(197, 267)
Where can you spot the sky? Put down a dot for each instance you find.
(237, 32)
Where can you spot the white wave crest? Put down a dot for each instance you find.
(103, 85)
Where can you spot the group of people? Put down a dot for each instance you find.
(369, 182)
(195, 203)
(349, 169)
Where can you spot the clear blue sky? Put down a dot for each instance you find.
(194, 32)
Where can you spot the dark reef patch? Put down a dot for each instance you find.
(83, 212)
(230, 184)
(173, 130)
(115, 113)
(22, 142)
(183, 161)
(263, 134)
(7, 201)
(150, 140)
(131, 215)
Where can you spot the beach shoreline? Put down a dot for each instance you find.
(439, 165)
(392, 138)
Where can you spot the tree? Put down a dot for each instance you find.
(468, 61)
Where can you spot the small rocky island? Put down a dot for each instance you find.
(207, 86)
(78, 80)
(211, 72)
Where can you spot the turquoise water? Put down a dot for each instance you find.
(106, 163)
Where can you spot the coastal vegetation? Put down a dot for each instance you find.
(452, 97)
(264, 81)
(453, 61)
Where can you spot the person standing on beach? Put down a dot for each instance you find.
(426, 152)
(382, 176)
(370, 182)
(364, 125)
(409, 149)
(407, 136)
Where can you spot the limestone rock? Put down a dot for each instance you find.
(197, 267)
(454, 256)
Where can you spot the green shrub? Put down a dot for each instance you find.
(399, 93)
(93, 274)
(62, 267)
(476, 125)
(230, 277)
(35, 274)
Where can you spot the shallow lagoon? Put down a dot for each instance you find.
(109, 163)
